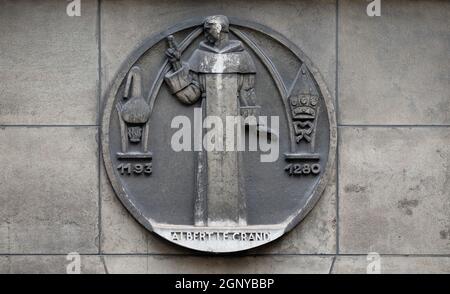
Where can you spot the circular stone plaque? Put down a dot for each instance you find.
(218, 134)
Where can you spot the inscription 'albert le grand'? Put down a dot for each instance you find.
(220, 236)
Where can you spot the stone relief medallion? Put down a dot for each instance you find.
(218, 134)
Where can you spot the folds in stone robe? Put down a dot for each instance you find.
(225, 78)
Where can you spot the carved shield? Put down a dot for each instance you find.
(167, 191)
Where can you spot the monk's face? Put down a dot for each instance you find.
(213, 32)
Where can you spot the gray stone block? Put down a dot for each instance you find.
(393, 69)
(394, 190)
(316, 234)
(48, 64)
(136, 264)
(311, 26)
(49, 264)
(393, 265)
(121, 233)
(49, 190)
(163, 264)
(4, 265)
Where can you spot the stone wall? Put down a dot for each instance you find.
(389, 76)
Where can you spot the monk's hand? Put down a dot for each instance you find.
(173, 55)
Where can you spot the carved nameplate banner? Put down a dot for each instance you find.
(218, 134)
(219, 239)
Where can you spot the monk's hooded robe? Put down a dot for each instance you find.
(225, 79)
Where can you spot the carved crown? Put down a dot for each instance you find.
(303, 106)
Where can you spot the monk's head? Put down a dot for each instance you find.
(216, 27)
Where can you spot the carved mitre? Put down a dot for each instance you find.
(136, 110)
